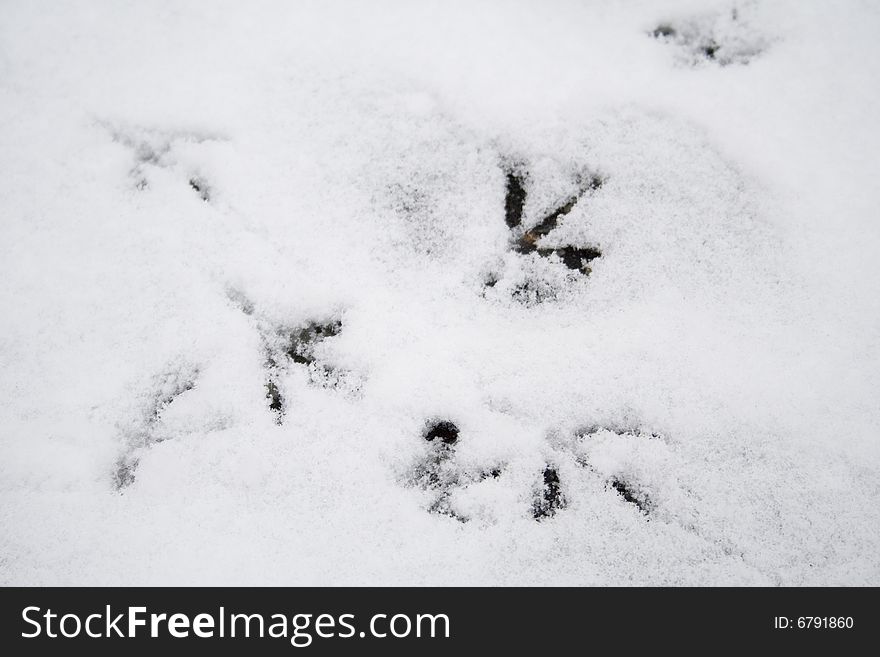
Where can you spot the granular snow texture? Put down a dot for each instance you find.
(484, 292)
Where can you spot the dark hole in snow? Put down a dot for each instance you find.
(664, 30)
(515, 200)
(550, 498)
(596, 182)
(201, 188)
(709, 50)
(445, 430)
(577, 258)
(276, 401)
(630, 494)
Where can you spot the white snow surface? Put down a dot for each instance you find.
(722, 358)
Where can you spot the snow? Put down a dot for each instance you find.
(185, 184)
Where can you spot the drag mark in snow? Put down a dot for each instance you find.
(144, 432)
(201, 188)
(240, 300)
(619, 478)
(124, 471)
(631, 494)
